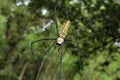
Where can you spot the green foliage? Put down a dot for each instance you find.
(101, 67)
(95, 25)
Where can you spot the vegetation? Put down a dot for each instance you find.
(95, 25)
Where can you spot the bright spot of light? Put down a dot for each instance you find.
(117, 1)
(117, 44)
(44, 11)
(47, 25)
(26, 2)
(18, 3)
(12, 9)
(73, 1)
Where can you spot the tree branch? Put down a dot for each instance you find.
(23, 70)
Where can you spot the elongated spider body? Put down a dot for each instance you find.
(63, 33)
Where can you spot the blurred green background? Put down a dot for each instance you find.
(95, 25)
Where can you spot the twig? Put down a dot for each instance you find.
(23, 70)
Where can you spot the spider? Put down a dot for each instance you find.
(59, 40)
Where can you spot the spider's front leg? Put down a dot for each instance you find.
(45, 39)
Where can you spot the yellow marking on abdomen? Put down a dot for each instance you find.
(63, 33)
(66, 27)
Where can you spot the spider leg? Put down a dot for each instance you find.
(61, 57)
(74, 42)
(39, 63)
(39, 41)
(77, 48)
(55, 13)
(56, 9)
(67, 12)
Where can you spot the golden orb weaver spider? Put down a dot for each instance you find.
(61, 38)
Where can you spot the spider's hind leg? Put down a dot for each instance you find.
(39, 62)
(74, 42)
(61, 57)
(76, 49)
